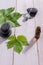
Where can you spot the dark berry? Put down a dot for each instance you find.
(5, 30)
(32, 12)
(5, 27)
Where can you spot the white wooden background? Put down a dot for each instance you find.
(34, 56)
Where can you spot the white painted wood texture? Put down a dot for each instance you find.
(34, 55)
(28, 29)
(39, 21)
(5, 54)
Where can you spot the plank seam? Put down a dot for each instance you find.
(14, 34)
(37, 42)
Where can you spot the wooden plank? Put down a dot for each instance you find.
(39, 22)
(28, 29)
(6, 55)
(7, 3)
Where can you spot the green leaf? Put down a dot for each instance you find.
(2, 20)
(12, 19)
(22, 39)
(17, 43)
(14, 44)
(5, 15)
(10, 44)
(16, 15)
(17, 24)
(9, 10)
(18, 47)
(12, 41)
(12, 37)
(11, 23)
(2, 12)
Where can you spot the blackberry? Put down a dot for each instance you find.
(32, 11)
(5, 30)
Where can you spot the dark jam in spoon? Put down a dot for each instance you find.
(37, 32)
